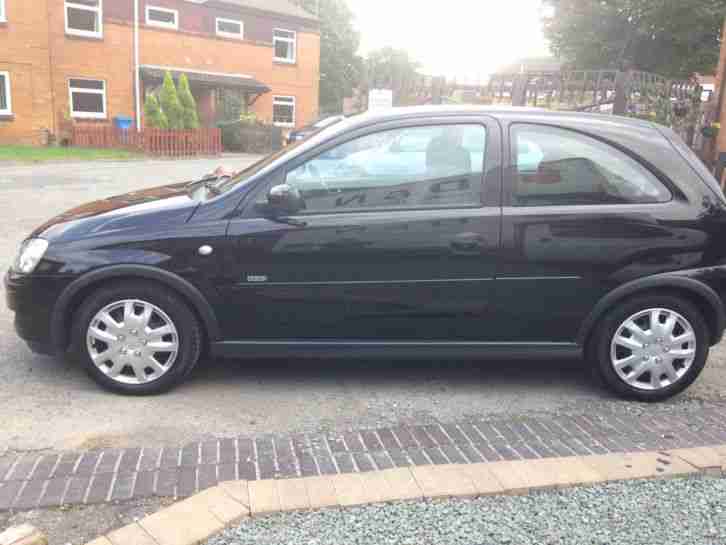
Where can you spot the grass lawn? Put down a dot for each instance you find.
(32, 154)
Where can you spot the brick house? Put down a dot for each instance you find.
(75, 59)
(720, 98)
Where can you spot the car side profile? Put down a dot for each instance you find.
(416, 232)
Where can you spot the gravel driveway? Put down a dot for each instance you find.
(676, 512)
(51, 404)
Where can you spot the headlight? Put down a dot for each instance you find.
(30, 254)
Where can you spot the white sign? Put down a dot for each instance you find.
(380, 99)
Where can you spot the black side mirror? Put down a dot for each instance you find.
(285, 200)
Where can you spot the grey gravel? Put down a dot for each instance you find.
(684, 511)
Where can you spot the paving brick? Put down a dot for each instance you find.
(129, 460)
(150, 459)
(207, 476)
(443, 481)
(246, 449)
(472, 455)
(54, 491)
(23, 469)
(247, 471)
(45, 467)
(227, 451)
(108, 462)
(190, 455)
(436, 456)
(388, 439)
(381, 460)
(181, 524)
(293, 495)
(209, 453)
(187, 481)
(371, 440)
(133, 534)
(455, 434)
(418, 458)
(76, 491)
(364, 462)
(67, 465)
(268, 469)
(8, 491)
(123, 486)
(452, 454)
(166, 482)
(344, 461)
(170, 458)
(706, 459)
(325, 463)
(287, 467)
(227, 472)
(29, 495)
(100, 488)
(399, 458)
(264, 497)
(405, 437)
(422, 438)
(144, 485)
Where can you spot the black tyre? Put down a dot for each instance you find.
(136, 338)
(650, 348)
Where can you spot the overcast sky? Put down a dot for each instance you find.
(463, 38)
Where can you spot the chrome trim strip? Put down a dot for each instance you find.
(401, 343)
(540, 278)
(366, 282)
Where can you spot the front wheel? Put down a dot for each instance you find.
(136, 338)
(651, 348)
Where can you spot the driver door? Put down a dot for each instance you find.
(389, 246)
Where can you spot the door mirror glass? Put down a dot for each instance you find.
(284, 200)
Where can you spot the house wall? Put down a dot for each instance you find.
(24, 54)
(721, 87)
(41, 59)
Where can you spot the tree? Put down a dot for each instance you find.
(393, 69)
(190, 117)
(340, 65)
(673, 38)
(155, 118)
(170, 105)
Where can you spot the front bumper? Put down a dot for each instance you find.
(32, 299)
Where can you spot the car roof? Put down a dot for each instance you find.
(413, 112)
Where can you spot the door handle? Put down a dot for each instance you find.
(468, 242)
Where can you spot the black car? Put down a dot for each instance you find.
(309, 130)
(426, 232)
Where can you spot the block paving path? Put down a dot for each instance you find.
(31, 480)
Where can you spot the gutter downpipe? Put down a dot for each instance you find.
(137, 69)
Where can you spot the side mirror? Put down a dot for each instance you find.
(285, 200)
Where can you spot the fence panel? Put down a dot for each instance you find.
(169, 143)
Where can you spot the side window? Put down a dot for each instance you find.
(561, 167)
(417, 167)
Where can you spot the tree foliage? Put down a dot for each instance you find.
(393, 69)
(340, 64)
(155, 118)
(170, 105)
(673, 38)
(190, 117)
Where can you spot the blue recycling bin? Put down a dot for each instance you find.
(123, 122)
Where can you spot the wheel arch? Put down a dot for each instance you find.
(72, 297)
(694, 291)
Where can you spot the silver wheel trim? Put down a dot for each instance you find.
(132, 342)
(653, 349)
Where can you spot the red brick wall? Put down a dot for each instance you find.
(24, 54)
(720, 83)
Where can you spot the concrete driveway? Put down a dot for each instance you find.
(50, 404)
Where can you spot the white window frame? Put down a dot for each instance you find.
(292, 41)
(3, 12)
(87, 115)
(84, 33)
(287, 102)
(8, 95)
(161, 24)
(240, 36)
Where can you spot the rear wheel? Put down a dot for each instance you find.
(137, 338)
(651, 348)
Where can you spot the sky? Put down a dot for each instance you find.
(466, 39)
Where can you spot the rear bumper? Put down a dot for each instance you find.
(32, 299)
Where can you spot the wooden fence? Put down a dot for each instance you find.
(170, 143)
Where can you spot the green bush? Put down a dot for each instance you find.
(155, 118)
(170, 104)
(190, 117)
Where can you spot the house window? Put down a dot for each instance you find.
(229, 28)
(285, 45)
(162, 17)
(3, 17)
(283, 111)
(88, 98)
(6, 106)
(84, 18)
